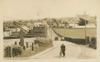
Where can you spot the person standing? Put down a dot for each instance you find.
(62, 51)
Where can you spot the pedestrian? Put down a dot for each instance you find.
(32, 46)
(62, 51)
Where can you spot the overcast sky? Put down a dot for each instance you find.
(33, 9)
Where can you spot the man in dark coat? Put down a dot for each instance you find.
(62, 52)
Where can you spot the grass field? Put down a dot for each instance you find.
(76, 32)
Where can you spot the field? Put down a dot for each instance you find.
(76, 32)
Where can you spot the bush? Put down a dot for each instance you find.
(7, 51)
(43, 41)
(82, 22)
(12, 51)
(93, 43)
(75, 40)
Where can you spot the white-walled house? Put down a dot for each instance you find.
(7, 33)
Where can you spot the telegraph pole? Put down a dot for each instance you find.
(85, 33)
(85, 28)
(21, 37)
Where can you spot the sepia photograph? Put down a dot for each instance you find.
(49, 29)
(51, 37)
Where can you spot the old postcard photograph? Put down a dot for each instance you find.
(49, 29)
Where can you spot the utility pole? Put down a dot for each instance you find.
(85, 33)
(85, 28)
(21, 34)
(21, 37)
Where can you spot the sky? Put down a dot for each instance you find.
(34, 9)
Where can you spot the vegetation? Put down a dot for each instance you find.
(29, 49)
(82, 22)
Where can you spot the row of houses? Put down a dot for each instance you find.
(73, 22)
(67, 22)
(16, 30)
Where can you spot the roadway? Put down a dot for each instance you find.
(73, 51)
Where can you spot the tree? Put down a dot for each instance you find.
(82, 22)
(55, 21)
(66, 24)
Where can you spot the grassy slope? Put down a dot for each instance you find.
(76, 32)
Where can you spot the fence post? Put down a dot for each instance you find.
(24, 47)
(32, 46)
(26, 44)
